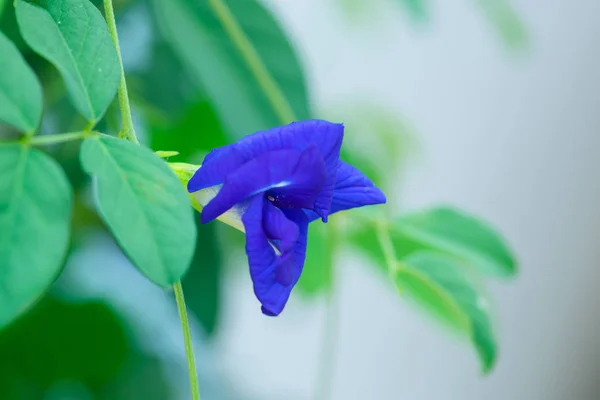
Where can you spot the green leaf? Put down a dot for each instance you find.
(433, 298)
(317, 274)
(74, 37)
(459, 234)
(449, 277)
(194, 32)
(20, 90)
(506, 22)
(418, 10)
(202, 284)
(2, 5)
(154, 89)
(144, 206)
(35, 210)
(61, 341)
(198, 131)
(364, 238)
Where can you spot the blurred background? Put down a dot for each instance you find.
(491, 106)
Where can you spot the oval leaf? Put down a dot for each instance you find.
(211, 58)
(74, 37)
(20, 90)
(444, 277)
(459, 234)
(432, 297)
(35, 208)
(144, 206)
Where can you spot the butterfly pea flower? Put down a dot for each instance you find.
(271, 185)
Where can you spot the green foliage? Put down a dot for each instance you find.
(461, 235)
(447, 278)
(20, 91)
(74, 37)
(144, 206)
(2, 5)
(438, 250)
(241, 103)
(506, 21)
(197, 131)
(417, 9)
(55, 342)
(63, 345)
(317, 274)
(435, 298)
(202, 284)
(35, 208)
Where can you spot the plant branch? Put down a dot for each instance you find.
(127, 130)
(58, 138)
(187, 339)
(251, 57)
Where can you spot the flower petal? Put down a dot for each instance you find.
(352, 189)
(280, 229)
(263, 261)
(326, 136)
(301, 172)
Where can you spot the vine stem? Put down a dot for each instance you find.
(251, 57)
(187, 339)
(128, 133)
(58, 138)
(127, 130)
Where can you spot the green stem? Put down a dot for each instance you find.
(58, 138)
(187, 339)
(127, 131)
(257, 67)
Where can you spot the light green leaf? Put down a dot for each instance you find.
(209, 55)
(434, 269)
(418, 10)
(454, 232)
(144, 206)
(435, 299)
(364, 238)
(20, 90)
(74, 37)
(506, 21)
(35, 210)
(317, 274)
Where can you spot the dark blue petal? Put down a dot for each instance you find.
(280, 229)
(352, 189)
(326, 136)
(302, 174)
(262, 258)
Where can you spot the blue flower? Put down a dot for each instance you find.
(271, 185)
